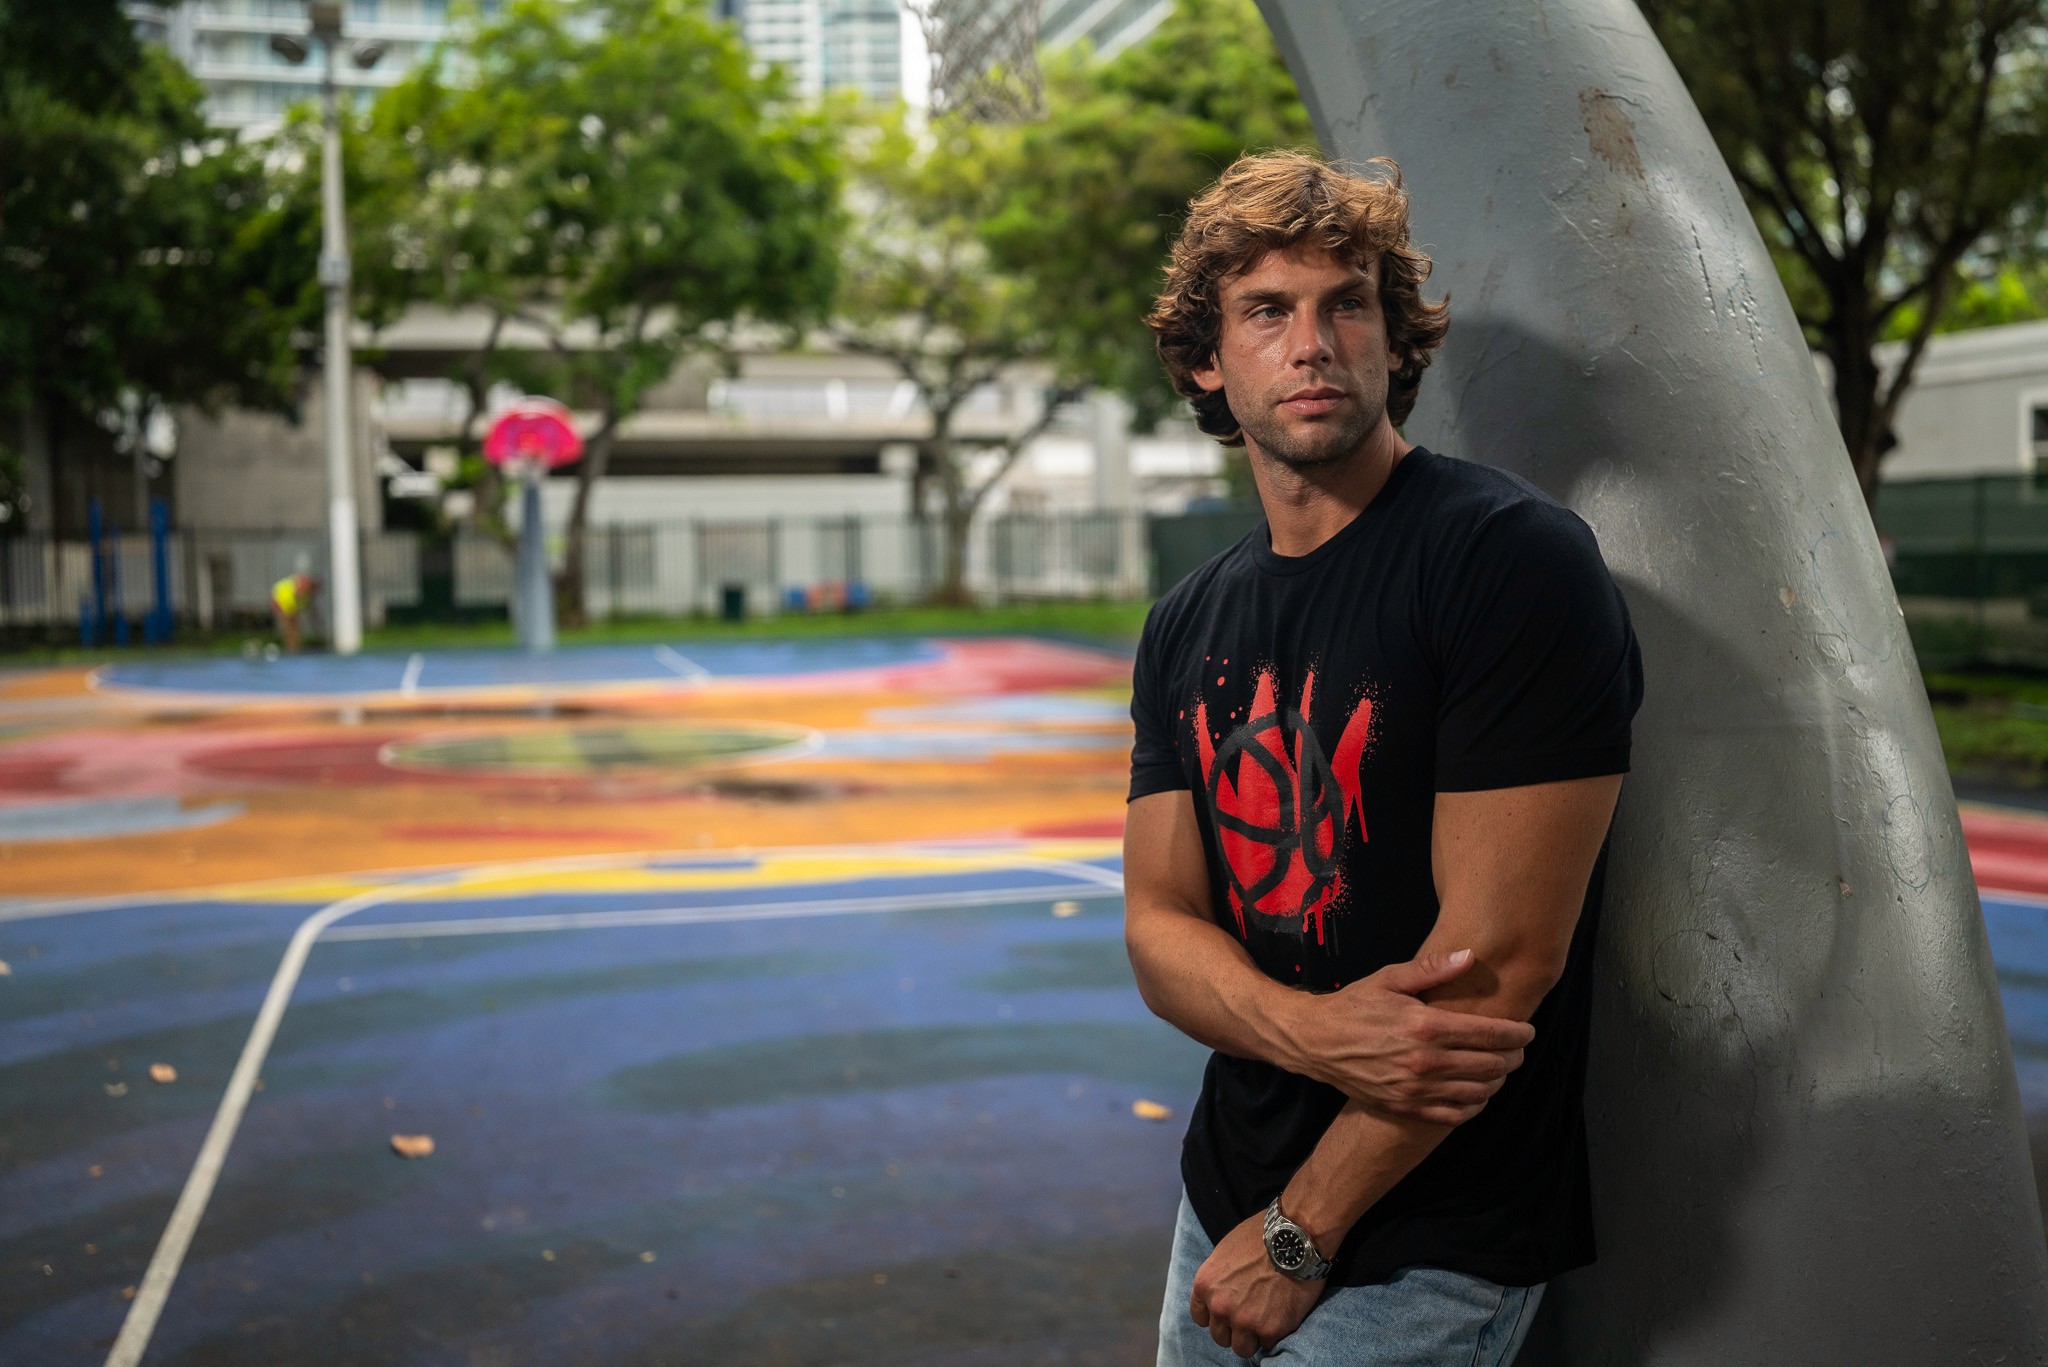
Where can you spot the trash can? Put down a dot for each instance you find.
(732, 602)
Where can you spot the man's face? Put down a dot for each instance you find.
(1304, 357)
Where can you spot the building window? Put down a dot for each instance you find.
(2037, 422)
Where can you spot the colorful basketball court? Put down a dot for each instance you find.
(763, 1003)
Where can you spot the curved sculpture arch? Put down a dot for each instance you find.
(1806, 1131)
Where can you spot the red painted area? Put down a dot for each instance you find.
(298, 759)
(2008, 849)
(969, 668)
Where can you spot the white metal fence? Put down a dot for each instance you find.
(218, 579)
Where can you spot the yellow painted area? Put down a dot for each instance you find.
(793, 869)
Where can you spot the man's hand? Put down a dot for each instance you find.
(1243, 1300)
(1378, 1042)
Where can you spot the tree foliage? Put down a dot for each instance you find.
(921, 291)
(1890, 151)
(1096, 191)
(613, 174)
(143, 261)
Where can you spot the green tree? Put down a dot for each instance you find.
(1095, 193)
(1889, 149)
(921, 291)
(143, 260)
(613, 174)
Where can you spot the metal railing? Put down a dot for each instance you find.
(222, 580)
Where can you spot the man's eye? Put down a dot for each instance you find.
(1267, 311)
(1352, 303)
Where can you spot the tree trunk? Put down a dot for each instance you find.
(957, 513)
(597, 457)
(1858, 406)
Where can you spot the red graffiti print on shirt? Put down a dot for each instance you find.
(1284, 813)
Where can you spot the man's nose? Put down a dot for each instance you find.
(1308, 338)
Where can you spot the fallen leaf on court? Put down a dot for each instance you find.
(127, 1293)
(1066, 909)
(648, 1256)
(5, 968)
(1151, 1110)
(162, 1072)
(95, 1171)
(117, 1089)
(412, 1145)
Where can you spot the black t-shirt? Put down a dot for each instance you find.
(1460, 634)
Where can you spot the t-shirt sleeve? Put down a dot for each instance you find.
(1155, 758)
(1541, 675)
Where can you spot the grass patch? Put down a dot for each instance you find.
(1092, 621)
(1993, 725)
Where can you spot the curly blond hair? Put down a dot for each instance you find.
(1272, 201)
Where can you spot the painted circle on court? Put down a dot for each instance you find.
(648, 747)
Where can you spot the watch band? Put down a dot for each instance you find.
(1290, 1250)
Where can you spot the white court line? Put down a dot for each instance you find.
(681, 663)
(155, 1287)
(671, 916)
(409, 683)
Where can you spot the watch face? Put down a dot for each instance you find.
(1290, 1250)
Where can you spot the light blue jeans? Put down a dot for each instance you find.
(1422, 1317)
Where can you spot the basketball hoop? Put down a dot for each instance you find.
(985, 58)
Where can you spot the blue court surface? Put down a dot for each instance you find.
(847, 1119)
(778, 1107)
(441, 671)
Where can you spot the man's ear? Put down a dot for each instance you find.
(1208, 375)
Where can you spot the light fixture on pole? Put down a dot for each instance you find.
(344, 569)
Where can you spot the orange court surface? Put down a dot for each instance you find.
(144, 779)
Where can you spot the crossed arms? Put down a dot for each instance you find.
(1417, 1047)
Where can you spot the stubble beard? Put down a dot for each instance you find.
(1330, 442)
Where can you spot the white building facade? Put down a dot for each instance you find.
(1978, 405)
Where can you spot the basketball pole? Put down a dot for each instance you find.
(343, 570)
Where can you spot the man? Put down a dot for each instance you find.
(1379, 742)
(290, 598)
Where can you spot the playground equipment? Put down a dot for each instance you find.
(1806, 1133)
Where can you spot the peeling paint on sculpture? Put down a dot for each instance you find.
(1806, 1130)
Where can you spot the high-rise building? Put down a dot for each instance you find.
(226, 44)
(828, 45)
(1109, 26)
(862, 47)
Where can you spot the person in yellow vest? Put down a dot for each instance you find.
(289, 599)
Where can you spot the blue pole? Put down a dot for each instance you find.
(95, 614)
(156, 629)
(536, 594)
(119, 616)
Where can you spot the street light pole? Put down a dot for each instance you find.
(345, 590)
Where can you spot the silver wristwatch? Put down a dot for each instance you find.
(1289, 1248)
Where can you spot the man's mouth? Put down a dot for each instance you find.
(1310, 402)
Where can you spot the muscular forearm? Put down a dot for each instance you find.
(1367, 1150)
(1357, 1161)
(1197, 978)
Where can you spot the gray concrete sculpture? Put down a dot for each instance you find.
(1806, 1131)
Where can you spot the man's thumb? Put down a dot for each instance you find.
(1425, 971)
